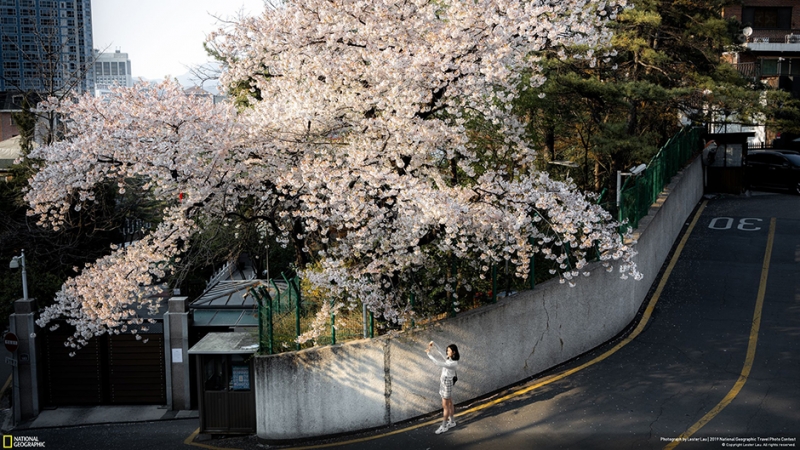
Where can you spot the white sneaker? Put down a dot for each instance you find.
(442, 428)
(451, 423)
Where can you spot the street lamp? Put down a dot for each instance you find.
(633, 172)
(15, 264)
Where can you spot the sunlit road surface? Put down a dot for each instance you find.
(715, 363)
(711, 362)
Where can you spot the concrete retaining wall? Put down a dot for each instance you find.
(371, 383)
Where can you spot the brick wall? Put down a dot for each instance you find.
(8, 128)
(736, 11)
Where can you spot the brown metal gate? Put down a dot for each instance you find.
(109, 370)
(70, 381)
(136, 370)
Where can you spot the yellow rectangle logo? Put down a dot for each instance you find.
(8, 441)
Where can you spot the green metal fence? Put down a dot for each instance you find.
(279, 312)
(284, 314)
(638, 193)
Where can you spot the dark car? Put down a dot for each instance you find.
(774, 169)
(789, 141)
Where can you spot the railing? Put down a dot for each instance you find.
(284, 313)
(750, 70)
(635, 201)
(223, 272)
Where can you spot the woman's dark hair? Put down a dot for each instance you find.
(455, 356)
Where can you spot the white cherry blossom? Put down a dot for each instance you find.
(378, 139)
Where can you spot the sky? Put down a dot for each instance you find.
(162, 37)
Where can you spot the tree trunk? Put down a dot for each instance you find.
(597, 184)
(550, 143)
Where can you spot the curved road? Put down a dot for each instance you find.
(712, 362)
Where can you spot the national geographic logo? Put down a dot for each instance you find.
(10, 441)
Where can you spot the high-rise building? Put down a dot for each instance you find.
(111, 69)
(46, 46)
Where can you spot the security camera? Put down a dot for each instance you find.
(14, 264)
(638, 169)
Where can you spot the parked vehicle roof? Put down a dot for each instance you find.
(774, 150)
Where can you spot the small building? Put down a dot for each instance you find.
(10, 103)
(724, 162)
(226, 304)
(9, 151)
(224, 371)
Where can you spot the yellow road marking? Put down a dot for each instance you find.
(751, 348)
(190, 441)
(5, 386)
(639, 328)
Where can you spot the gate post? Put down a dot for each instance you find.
(176, 354)
(26, 373)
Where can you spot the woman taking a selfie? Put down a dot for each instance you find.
(448, 363)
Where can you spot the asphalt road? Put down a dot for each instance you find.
(713, 363)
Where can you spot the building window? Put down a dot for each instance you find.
(779, 66)
(768, 18)
(769, 67)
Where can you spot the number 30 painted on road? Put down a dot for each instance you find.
(745, 224)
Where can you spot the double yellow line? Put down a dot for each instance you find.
(751, 348)
(645, 318)
(648, 312)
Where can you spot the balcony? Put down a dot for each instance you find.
(750, 70)
(760, 42)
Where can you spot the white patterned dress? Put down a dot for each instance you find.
(448, 371)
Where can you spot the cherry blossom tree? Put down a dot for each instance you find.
(378, 139)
